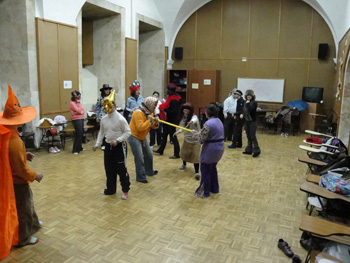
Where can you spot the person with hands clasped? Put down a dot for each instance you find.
(141, 123)
(249, 114)
(115, 129)
(11, 118)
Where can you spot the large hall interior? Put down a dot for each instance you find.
(283, 50)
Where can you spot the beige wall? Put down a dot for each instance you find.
(108, 47)
(151, 62)
(279, 38)
(18, 57)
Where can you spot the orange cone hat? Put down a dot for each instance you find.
(13, 113)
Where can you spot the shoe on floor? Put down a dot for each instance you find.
(197, 176)
(256, 154)
(106, 193)
(76, 153)
(144, 182)
(296, 259)
(182, 167)
(157, 151)
(174, 157)
(231, 146)
(52, 150)
(125, 195)
(283, 245)
(155, 172)
(57, 150)
(33, 241)
(246, 152)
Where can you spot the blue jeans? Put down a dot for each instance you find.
(143, 158)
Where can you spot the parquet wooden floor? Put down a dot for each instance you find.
(259, 202)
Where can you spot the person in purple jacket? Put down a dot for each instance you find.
(212, 137)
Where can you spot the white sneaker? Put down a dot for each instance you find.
(286, 135)
(76, 153)
(57, 150)
(125, 195)
(197, 176)
(52, 150)
(282, 134)
(182, 167)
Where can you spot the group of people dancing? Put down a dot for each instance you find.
(204, 147)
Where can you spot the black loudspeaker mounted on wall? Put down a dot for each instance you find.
(322, 51)
(179, 53)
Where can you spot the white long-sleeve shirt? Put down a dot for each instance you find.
(230, 106)
(113, 126)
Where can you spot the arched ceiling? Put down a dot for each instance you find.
(175, 13)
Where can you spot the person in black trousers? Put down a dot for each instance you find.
(237, 132)
(115, 128)
(249, 114)
(169, 111)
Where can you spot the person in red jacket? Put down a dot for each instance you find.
(169, 111)
(77, 111)
(11, 118)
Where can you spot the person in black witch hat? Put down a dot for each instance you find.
(99, 110)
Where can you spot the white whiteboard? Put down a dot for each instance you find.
(266, 90)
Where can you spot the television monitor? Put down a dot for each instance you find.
(312, 94)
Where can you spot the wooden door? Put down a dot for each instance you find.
(202, 88)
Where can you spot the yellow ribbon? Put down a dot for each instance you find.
(176, 126)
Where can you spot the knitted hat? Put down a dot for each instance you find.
(13, 113)
(134, 86)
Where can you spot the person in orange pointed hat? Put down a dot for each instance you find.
(11, 118)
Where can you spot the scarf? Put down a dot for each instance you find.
(166, 105)
(148, 105)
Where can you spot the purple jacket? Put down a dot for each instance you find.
(213, 147)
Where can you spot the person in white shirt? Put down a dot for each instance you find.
(115, 128)
(230, 106)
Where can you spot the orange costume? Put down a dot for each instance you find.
(8, 211)
(18, 220)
